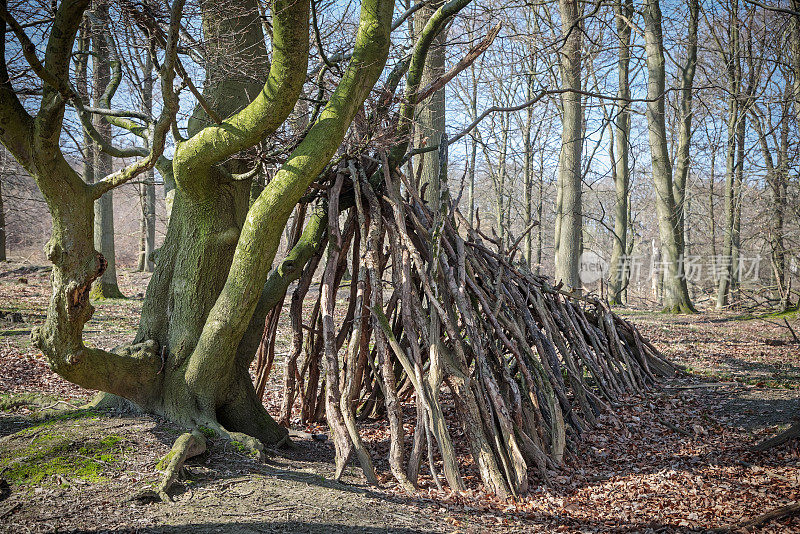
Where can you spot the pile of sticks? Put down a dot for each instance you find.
(434, 302)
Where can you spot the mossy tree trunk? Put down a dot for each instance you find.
(212, 331)
(190, 358)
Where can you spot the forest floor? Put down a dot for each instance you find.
(676, 458)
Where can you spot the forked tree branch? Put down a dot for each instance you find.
(166, 118)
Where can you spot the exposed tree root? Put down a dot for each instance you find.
(776, 441)
(187, 445)
(779, 513)
(107, 402)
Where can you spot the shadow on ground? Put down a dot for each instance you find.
(299, 527)
(753, 408)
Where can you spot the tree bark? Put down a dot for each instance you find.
(676, 294)
(528, 170)
(732, 59)
(189, 360)
(569, 212)
(148, 187)
(106, 285)
(796, 58)
(623, 12)
(431, 118)
(685, 131)
(2, 226)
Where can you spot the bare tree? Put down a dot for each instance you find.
(676, 294)
(618, 273)
(569, 215)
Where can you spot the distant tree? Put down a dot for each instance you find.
(676, 293)
(618, 273)
(569, 213)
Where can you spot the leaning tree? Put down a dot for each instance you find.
(435, 301)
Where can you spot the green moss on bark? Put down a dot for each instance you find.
(105, 290)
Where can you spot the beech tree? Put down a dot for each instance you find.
(569, 214)
(188, 339)
(676, 293)
(515, 350)
(623, 12)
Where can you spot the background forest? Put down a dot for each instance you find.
(742, 140)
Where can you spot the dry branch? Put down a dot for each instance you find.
(530, 366)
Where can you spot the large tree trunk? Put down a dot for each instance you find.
(192, 266)
(676, 294)
(212, 331)
(622, 127)
(198, 332)
(106, 285)
(569, 214)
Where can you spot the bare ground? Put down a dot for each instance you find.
(676, 459)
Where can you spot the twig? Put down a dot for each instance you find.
(676, 428)
(465, 62)
(778, 513)
(794, 335)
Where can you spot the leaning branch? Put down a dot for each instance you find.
(465, 62)
(777, 9)
(29, 53)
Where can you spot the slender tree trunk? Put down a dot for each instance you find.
(738, 192)
(148, 187)
(500, 185)
(540, 213)
(629, 251)
(685, 129)
(776, 182)
(473, 103)
(106, 285)
(676, 294)
(621, 136)
(733, 61)
(528, 170)
(796, 58)
(711, 210)
(780, 210)
(569, 212)
(431, 121)
(2, 226)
